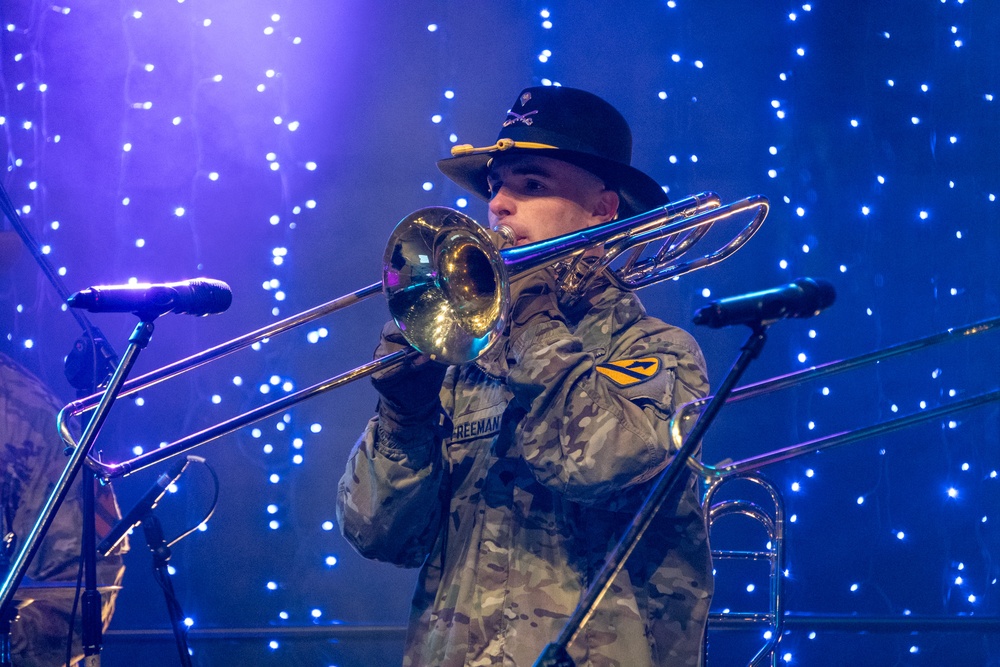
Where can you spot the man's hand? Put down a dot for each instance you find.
(409, 390)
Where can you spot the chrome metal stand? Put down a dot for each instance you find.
(137, 342)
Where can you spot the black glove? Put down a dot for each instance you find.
(409, 390)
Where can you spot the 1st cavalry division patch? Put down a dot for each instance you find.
(628, 372)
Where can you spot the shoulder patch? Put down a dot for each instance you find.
(628, 372)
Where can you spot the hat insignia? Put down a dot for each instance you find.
(514, 117)
(524, 98)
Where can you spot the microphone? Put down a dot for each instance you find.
(804, 297)
(142, 508)
(198, 296)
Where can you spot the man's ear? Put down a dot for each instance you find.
(606, 206)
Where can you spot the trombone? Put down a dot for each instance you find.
(447, 286)
(713, 474)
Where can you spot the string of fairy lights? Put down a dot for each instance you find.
(152, 108)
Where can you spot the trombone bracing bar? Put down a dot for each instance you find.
(722, 470)
(452, 238)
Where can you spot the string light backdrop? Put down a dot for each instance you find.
(273, 145)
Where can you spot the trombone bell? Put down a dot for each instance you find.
(445, 284)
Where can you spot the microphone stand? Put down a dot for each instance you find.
(161, 554)
(88, 366)
(92, 602)
(92, 346)
(669, 481)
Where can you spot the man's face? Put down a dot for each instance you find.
(540, 197)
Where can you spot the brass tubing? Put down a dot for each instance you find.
(843, 438)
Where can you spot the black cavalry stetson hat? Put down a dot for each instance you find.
(569, 125)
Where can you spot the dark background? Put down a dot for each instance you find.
(321, 135)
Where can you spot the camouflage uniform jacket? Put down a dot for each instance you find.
(32, 457)
(510, 504)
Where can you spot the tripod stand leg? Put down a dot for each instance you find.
(161, 554)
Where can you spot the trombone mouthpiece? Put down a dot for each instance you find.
(507, 234)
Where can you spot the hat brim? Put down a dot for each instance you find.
(637, 192)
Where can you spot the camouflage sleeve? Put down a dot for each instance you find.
(587, 435)
(389, 499)
(32, 460)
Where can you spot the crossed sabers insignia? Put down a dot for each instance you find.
(519, 118)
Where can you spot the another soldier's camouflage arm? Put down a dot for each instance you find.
(586, 437)
(388, 503)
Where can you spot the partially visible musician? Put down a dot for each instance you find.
(508, 479)
(31, 460)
